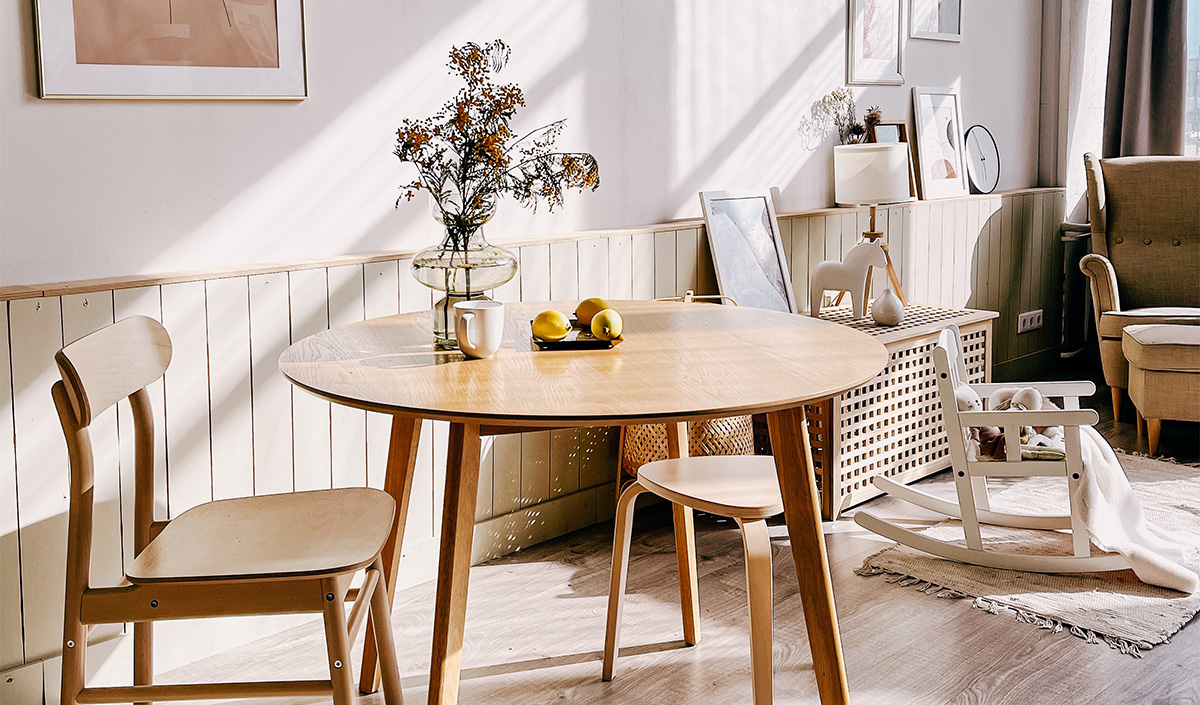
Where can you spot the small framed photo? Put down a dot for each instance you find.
(897, 131)
(200, 49)
(941, 166)
(747, 249)
(874, 44)
(935, 19)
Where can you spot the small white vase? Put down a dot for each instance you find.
(887, 309)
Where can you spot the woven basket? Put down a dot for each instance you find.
(733, 435)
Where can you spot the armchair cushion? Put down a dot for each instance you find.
(1112, 322)
(1166, 348)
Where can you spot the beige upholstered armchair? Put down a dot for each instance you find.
(1145, 266)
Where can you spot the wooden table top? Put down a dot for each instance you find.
(677, 362)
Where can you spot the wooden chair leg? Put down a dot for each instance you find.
(620, 571)
(337, 643)
(385, 646)
(685, 543)
(143, 654)
(1154, 428)
(757, 542)
(1141, 422)
(74, 650)
(685, 559)
(1118, 395)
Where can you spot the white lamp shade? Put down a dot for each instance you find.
(870, 173)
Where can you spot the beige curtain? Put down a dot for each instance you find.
(1147, 62)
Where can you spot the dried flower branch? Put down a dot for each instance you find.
(834, 111)
(466, 154)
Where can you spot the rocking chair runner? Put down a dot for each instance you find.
(970, 477)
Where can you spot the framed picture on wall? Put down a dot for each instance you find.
(935, 19)
(897, 131)
(941, 167)
(200, 49)
(874, 44)
(747, 250)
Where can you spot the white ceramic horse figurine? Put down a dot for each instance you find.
(848, 275)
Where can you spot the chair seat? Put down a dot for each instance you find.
(273, 536)
(1113, 322)
(739, 486)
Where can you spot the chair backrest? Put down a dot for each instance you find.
(98, 370)
(104, 367)
(950, 371)
(1145, 216)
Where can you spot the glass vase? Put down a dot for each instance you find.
(462, 267)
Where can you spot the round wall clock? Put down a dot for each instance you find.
(983, 159)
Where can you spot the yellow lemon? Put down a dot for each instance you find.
(551, 325)
(589, 308)
(607, 324)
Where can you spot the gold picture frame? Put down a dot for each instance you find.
(153, 50)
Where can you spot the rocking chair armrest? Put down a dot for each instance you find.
(1041, 417)
(1076, 388)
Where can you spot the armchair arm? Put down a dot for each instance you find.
(1043, 417)
(1105, 296)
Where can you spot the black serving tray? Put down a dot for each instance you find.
(580, 338)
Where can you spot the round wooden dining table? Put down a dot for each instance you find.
(677, 362)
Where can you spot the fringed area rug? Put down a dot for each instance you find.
(1113, 607)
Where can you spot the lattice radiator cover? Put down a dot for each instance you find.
(892, 426)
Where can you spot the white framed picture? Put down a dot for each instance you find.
(941, 167)
(747, 249)
(199, 49)
(935, 19)
(874, 44)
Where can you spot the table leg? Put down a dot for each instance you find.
(397, 481)
(458, 527)
(797, 484)
(685, 543)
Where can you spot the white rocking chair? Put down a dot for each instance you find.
(970, 477)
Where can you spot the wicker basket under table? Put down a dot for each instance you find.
(892, 426)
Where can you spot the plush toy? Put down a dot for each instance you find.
(983, 440)
(1027, 398)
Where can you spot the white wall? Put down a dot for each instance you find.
(671, 98)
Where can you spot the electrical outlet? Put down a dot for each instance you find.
(1029, 321)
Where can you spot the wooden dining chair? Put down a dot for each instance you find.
(744, 487)
(276, 554)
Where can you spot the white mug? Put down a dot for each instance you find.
(479, 326)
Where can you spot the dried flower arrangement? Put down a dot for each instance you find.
(466, 154)
(836, 111)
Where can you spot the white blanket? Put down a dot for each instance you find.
(1117, 524)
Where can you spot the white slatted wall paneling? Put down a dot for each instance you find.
(308, 291)
(230, 410)
(270, 393)
(348, 427)
(42, 471)
(189, 448)
(12, 646)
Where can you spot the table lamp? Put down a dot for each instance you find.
(872, 174)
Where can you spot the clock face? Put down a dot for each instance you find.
(983, 159)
